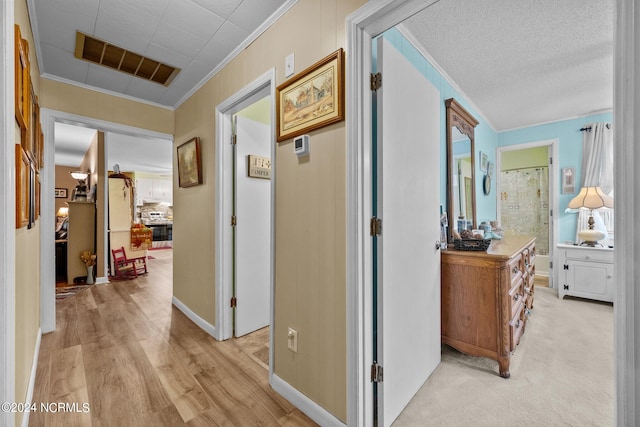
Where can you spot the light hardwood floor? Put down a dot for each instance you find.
(138, 361)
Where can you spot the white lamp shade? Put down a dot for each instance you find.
(591, 198)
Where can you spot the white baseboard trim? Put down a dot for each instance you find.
(203, 324)
(102, 280)
(306, 405)
(32, 378)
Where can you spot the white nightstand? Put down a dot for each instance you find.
(585, 272)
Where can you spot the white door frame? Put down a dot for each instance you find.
(258, 89)
(7, 218)
(362, 25)
(373, 18)
(554, 173)
(47, 238)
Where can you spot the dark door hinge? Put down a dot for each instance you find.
(234, 302)
(233, 220)
(376, 81)
(375, 227)
(234, 139)
(376, 373)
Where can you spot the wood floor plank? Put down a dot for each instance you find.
(138, 361)
(182, 388)
(67, 385)
(107, 387)
(41, 393)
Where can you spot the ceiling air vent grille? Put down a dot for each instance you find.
(117, 58)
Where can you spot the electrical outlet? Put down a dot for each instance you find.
(292, 340)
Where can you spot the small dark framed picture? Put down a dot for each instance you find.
(189, 163)
(61, 193)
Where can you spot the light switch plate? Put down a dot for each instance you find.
(289, 65)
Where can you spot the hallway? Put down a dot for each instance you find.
(126, 357)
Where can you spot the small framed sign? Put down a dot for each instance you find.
(259, 167)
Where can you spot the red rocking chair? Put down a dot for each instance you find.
(127, 268)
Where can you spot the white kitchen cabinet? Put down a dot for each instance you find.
(153, 190)
(144, 190)
(162, 190)
(586, 272)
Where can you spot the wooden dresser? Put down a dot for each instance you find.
(487, 296)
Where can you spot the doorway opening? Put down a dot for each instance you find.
(527, 198)
(245, 149)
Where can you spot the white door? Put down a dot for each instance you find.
(408, 202)
(253, 229)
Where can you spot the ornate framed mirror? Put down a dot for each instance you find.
(461, 180)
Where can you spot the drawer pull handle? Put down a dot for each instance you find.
(515, 270)
(516, 297)
(527, 312)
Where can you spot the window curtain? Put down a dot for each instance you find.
(597, 170)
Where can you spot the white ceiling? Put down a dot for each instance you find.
(131, 153)
(520, 63)
(193, 35)
(523, 62)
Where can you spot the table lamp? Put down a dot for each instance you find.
(591, 198)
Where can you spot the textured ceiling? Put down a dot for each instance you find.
(193, 35)
(520, 63)
(523, 62)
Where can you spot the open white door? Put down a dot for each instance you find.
(408, 255)
(253, 229)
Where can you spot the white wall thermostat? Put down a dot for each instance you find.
(301, 145)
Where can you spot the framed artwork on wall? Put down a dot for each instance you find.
(484, 160)
(311, 99)
(61, 193)
(568, 180)
(22, 187)
(189, 163)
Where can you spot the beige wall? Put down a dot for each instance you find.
(310, 281)
(64, 180)
(93, 163)
(27, 256)
(89, 103)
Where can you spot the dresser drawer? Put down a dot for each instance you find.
(516, 296)
(517, 326)
(515, 269)
(592, 255)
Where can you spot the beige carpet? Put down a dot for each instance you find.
(561, 374)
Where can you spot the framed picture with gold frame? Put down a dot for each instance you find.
(311, 99)
(23, 171)
(22, 82)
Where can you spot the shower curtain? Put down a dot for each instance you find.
(524, 204)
